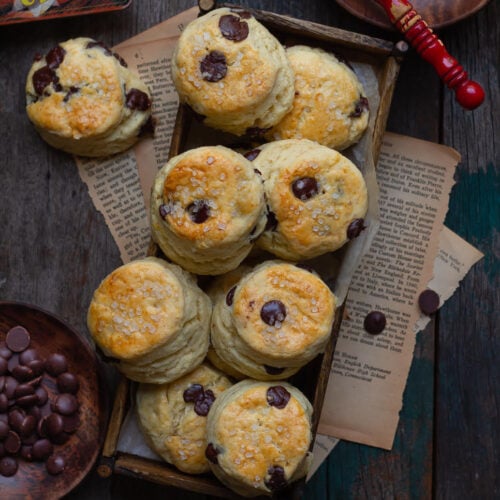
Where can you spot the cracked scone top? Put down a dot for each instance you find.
(258, 436)
(231, 70)
(83, 99)
(173, 416)
(330, 104)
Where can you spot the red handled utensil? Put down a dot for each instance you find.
(402, 15)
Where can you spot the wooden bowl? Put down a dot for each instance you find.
(50, 335)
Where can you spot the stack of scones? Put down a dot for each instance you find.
(212, 359)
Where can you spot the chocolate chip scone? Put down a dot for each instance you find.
(258, 435)
(317, 199)
(273, 321)
(83, 99)
(173, 416)
(233, 72)
(330, 104)
(151, 319)
(207, 209)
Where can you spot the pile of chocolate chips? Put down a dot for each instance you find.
(38, 404)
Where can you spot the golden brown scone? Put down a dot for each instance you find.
(231, 70)
(152, 318)
(207, 209)
(316, 197)
(329, 106)
(173, 416)
(83, 99)
(259, 434)
(276, 319)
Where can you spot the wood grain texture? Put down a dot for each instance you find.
(55, 248)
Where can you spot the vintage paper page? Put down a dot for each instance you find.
(114, 184)
(369, 373)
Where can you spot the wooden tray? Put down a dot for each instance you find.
(437, 14)
(384, 58)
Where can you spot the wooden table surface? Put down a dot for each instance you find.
(55, 248)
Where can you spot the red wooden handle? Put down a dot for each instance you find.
(468, 93)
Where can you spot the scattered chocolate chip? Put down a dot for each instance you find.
(27, 401)
(41, 427)
(27, 426)
(211, 453)
(165, 210)
(54, 424)
(42, 396)
(374, 322)
(199, 211)
(256, 132)
(120, 59)
(277, 396)
(272, 221)
(67, 382)
(55, 57)
(4, 403)
(72, 90)
(148, 127)
(305, 188)
(36, 366)
(3, 366)
(273, 312)
(251, 155)
(23, 390)
(55, 464)
(428, 302)
(17, 339)
(10, 386)
(355, 227)
(66, 404)
(56, 364)
(93, 44)
(22, 373)
(42, 449)
(12, 443)
(232, 28)
(202, 404)
(213, 66)
(192, 393)
(273, 370)
(244, 14)
(277, 480)
(137, 99)
(4, 430)
(13, 362)
(26, 452)
(8, 466)
(230, 296)
(359, 107)
(27, 356)
(5, 352)
(16, 418)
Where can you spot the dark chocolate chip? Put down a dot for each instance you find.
(165, 210)
(277, 396)
(2, 382)
(273, 370)
(4, 403)
(148, 127)
(232, 28)
(273, 312)
(66, 404)
(56, 364)
(27, 426)
(55, 57)
(272, 221)
(13, 362)
(26, 452)
(22, 373)
(251, 155)
(120, 59)
(54, 424)
(244, 14)
(42, 449)
(192, 393)
(305, 188)
(359, 107)
(35, 411)
(230, 296)
(12, 443)
(4, 430)
(36, 366)
(199, 211)
(428, 302)
(202, 404)
(23, 390)
(42, 78)
(8, 466)
(67, 382)
(5, 352)
(27, 401)
(213, 66)
(93, 44)
(10, 386)
(72, 90)
(41, 426)
(277, 480)
(374, 322)
(4, 365)
(137, 99)
(55, 464)
(211, 453)
(355, 227)
(256, 131)
(71, 423)
(27, 356)
(17, 339)
(30, 439)
(42, 396)
(16, 418)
